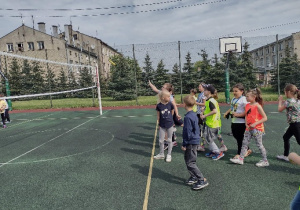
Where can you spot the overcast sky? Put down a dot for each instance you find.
(174, 20)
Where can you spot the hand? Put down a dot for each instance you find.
(235, 114)
(252, 125)
(178, 117)
(280, 98)
(183, 148)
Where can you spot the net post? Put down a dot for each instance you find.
(98, 88)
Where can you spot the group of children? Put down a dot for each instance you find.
(247, 118)
(4, 111)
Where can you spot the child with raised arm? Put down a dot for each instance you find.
(292, 107)
(176, 117)
(190, 141)
(212, 119)
(255, 117)
(237, 113)
(165, 111)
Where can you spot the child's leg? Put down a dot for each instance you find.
(286, 138)
(246, 141)
(162, 134)
(3, 118)
(296, 131)
(258, 137)
(7, 115)
(238, 130)
(190, 157)
(169, 140)
(210, 135)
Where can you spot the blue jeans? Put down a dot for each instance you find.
(295, 204)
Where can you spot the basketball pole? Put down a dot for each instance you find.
(227, 88)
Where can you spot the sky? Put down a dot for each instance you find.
(152, 23)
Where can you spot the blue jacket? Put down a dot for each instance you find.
(191, 131)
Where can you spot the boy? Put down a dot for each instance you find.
(190, 141)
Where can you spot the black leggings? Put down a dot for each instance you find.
(293, 130)
(238, 130)
(3, 118)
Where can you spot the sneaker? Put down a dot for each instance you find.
(169, 158)
(218, 156)
(191, 181)
(229, 134)
(236, 157)
(4, 126)
(223, 148)
(249, 152)
(200, 148)
(210, 154)
(159, 156)
(282, 157)
(237, 161)
(262, 163)
(200, 184)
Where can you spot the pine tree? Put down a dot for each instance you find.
(38, 83)
(148, 74)
(15, 78)
(61, 81)
(161, 76)
(175, 78)
(122, 83)
(205, 68)
(50, 83)
(26, 78)
(189, 80)
(217, 75)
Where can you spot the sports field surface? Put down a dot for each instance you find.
(81, 160)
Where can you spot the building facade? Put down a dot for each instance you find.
(265, 57)
(69, 46)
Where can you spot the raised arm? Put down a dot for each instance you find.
(153, 87)
(281, 105)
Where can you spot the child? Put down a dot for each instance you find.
(2, 110)
(292, 107)
(212, 122)
(165, 111)
(295, 159)
(193, 93)
(6, 114)
(237, 113)
(190, 141)
(255, 117)
(176, 117)
(200, 106)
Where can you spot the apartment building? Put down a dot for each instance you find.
(265, 57)
(69, 46)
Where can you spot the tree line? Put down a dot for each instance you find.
(31, 78)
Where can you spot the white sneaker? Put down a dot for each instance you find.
(262, 163)
(282, 157)
(237, 161)
(169, 158)
(159, 156)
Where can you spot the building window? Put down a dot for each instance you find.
(290, 44)
(30, 45)
(70, 52)
(75, 36)
(274, 59)
(10, 47)
(281, 46)
(274, 48)
(267, 50)
(261, 62)
(268, 61)
(20, 47)
(262, 52)
(41, 45)
(76, 55)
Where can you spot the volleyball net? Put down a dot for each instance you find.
(32, 78)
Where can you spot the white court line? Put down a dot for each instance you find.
(3, 164)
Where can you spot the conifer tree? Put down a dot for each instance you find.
(148, 74)
(26, 78)
(161, 76)
(175, 78)
(15, 78)
(38, 83)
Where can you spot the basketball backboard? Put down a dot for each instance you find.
(230, 44)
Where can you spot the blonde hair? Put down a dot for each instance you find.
(293, 89)
(189, 101)
(163, 94)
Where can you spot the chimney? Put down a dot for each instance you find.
(42, 27)
(68, 33)
(54, 30)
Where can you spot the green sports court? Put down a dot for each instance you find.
(81, 160)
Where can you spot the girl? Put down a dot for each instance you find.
(292, 107)
(165, 111)
(2, 110)
(212, 122)
(200, 106)
(237, 112)
(176, 117)
(255, 117)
